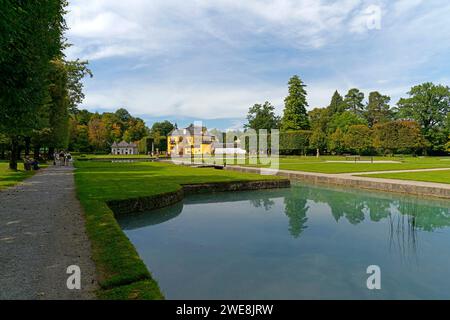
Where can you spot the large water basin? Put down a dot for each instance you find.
(306, 242)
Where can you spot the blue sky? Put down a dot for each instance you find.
(211, 60)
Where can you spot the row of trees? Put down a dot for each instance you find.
(420, 122)
(94, 132)
(39, 88)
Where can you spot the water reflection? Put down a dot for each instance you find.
(404, 216)
(403, 236)
(267, 204)
(296, 209)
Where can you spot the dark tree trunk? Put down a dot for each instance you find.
(37, 148)
(51, 151)
(14, 149)
(19, 151)
(27, 146)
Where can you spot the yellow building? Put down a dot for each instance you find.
(190, 141)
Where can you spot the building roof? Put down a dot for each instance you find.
(123, 144)
(191, 130)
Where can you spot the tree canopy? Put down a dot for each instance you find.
(378, 109)
(96, 132)
(31, 37)
(262, 117)
(354, 101)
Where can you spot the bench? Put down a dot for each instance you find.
(356, 158)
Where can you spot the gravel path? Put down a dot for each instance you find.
(42, 233)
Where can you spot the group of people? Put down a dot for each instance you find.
(62, 157)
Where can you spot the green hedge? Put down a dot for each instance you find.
(294, 142)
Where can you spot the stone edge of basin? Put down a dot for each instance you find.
(402, 186)
(133, 205)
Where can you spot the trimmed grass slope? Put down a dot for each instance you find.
(9, 178)
(311, 164)
(121, 272)
(426, 176)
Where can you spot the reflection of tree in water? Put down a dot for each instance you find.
(296, 209)
(427, 218)
(342, 205)
(378, 209)
(262, 203)
(405, 217)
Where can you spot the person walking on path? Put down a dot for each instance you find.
(68, 159)
(55, 158)
(62, 158)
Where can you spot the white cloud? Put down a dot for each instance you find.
(163, 25)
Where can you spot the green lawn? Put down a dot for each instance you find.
(122, 274)
(321, 165)
(10, 178)
(115, 181)
(431, 176)
(312, 164)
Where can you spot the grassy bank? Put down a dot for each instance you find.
(430, 176)
(9, 178)
(121, 273)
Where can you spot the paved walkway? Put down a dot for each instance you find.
(42, 233)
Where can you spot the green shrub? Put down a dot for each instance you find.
(294, 142)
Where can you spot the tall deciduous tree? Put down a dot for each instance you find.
(295, 116)
(31, 36)
(164, 128)
(65, 93)
(319, 119)
(262, 117)
(358, 138)
(336, 141)
(343, 121)
(59, 106)
(318, 140)
(136, 130)
(98, 135)
(76, 70)
(398, 135)
(429, 105)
